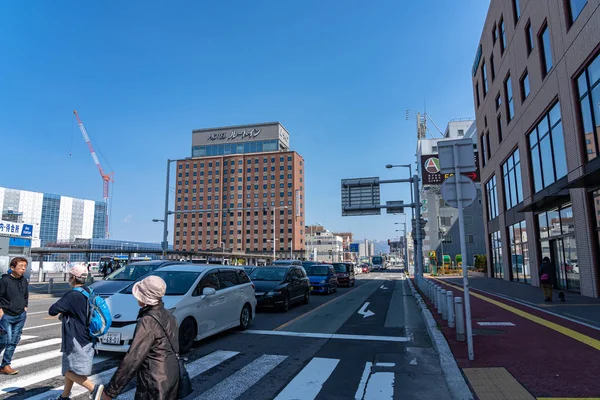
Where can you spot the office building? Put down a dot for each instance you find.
(329, 247)
(536, 80)
(54, 218)
(441, 230)
(346, 240)
(242, 189)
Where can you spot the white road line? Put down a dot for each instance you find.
(77, 390)
(38, 345)
(360, 392)
(380, 386)
(42, 326)
(309, 382)
(22, 362)
(37, 312)
(236, 384)
(330, 336)
(195, 368)
(31, 379)
(384, 364)
(27, 337)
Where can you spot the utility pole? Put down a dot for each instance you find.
(166, 217)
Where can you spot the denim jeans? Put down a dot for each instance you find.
(13, 325)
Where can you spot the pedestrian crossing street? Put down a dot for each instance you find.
(39, 362)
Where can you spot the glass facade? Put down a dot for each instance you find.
(492, 198)
(575, 7)
(588, 84)
(235, 148)
(519, 252)
(546, 51)
(513, 185)
(99, 231)
(49, 222)
(547, 149)
(557, 241)
(496, 260)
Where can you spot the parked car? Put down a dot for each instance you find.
(306, 264)
(288, 262)
(249, 268)
(322, 278)
(123, 276)
(280, 286)
(205, 300)
(345, 274)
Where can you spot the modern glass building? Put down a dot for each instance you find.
(536, 89)
(54, 218)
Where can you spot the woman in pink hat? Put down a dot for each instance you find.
(152, 354)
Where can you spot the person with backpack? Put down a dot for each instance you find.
(153, 354)
(77, 342)
(547, 275)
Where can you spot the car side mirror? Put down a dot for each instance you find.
(208, 291)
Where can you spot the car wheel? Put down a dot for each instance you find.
(187, 334)
(245, 318)
(286, 303)
(306, 297)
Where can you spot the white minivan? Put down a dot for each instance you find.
(205, 300)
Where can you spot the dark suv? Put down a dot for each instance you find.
(280, 286)
(345, 274)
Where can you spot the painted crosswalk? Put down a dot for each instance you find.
(240, 372)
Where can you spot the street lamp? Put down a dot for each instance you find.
(275, 226)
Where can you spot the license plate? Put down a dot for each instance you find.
(111, 338)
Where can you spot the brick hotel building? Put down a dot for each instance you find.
(235, 178)
(536, 82)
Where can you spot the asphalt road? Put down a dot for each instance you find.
(366, 342)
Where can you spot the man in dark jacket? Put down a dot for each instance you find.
(14, 299)
(77, 344)
(547, 275)
(152, 354)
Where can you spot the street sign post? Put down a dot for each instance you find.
(456, 156)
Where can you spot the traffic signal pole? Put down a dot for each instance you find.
(419, 238)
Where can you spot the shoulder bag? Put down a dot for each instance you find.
(185, 383)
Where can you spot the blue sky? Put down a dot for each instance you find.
(339, 75)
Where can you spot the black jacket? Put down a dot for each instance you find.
(151, 357)
(74, 308)
(14, 294)
(547, 268)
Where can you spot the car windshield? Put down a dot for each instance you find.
(339, 267)
(178, 282)
(131, 272)
(317, 270)
(282, 262)
(268, 274)
(306, 264)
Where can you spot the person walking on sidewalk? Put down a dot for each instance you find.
(152, 354)
(77, 344)
(547, 276)
(14, 299)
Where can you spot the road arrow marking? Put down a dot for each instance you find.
(364, 312)
(413, 362)
(382, 287)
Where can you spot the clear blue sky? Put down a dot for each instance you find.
(339, 75)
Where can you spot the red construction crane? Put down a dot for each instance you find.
(106, 178)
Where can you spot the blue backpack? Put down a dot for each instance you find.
(99, 318)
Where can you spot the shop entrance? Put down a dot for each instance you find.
(563, 254)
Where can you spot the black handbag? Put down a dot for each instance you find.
(185, 387)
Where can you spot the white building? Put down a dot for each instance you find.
(366, 249)
(54, 218)
(330, 248)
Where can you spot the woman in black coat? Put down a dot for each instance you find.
(152, 354)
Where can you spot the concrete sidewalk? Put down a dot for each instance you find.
(580, 308)
(524, 351)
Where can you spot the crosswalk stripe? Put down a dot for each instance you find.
(36, 377)
(309, 382)
(27, 337)
(77, 390)
(41, 326)
(242, 380)
(22, 362)
(196, 368)
(38, 345)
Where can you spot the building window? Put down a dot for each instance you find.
(575, 7)
(508, 97)
(492, 66)
(494, 33)
(513, 185)
(545, 51)
(483, 150)
(484, 79)
(447, 238)
(487, 144)
(496, 259)
(502, 36)
(492, 198)
(516, 10)
(589, 102)
(499, 125)
(461, 132)
(498, 101)
(477, 94)
(547, 149)
(524, 83)
(529, 37)
(519, 252)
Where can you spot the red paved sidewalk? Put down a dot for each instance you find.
(546, 362)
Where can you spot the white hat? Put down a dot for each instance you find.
(150, 290)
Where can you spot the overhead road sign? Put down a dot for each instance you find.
(360, 196)
(395, 207)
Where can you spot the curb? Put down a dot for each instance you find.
(459, 389)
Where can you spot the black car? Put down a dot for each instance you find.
(280, 286)
(122, 277)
